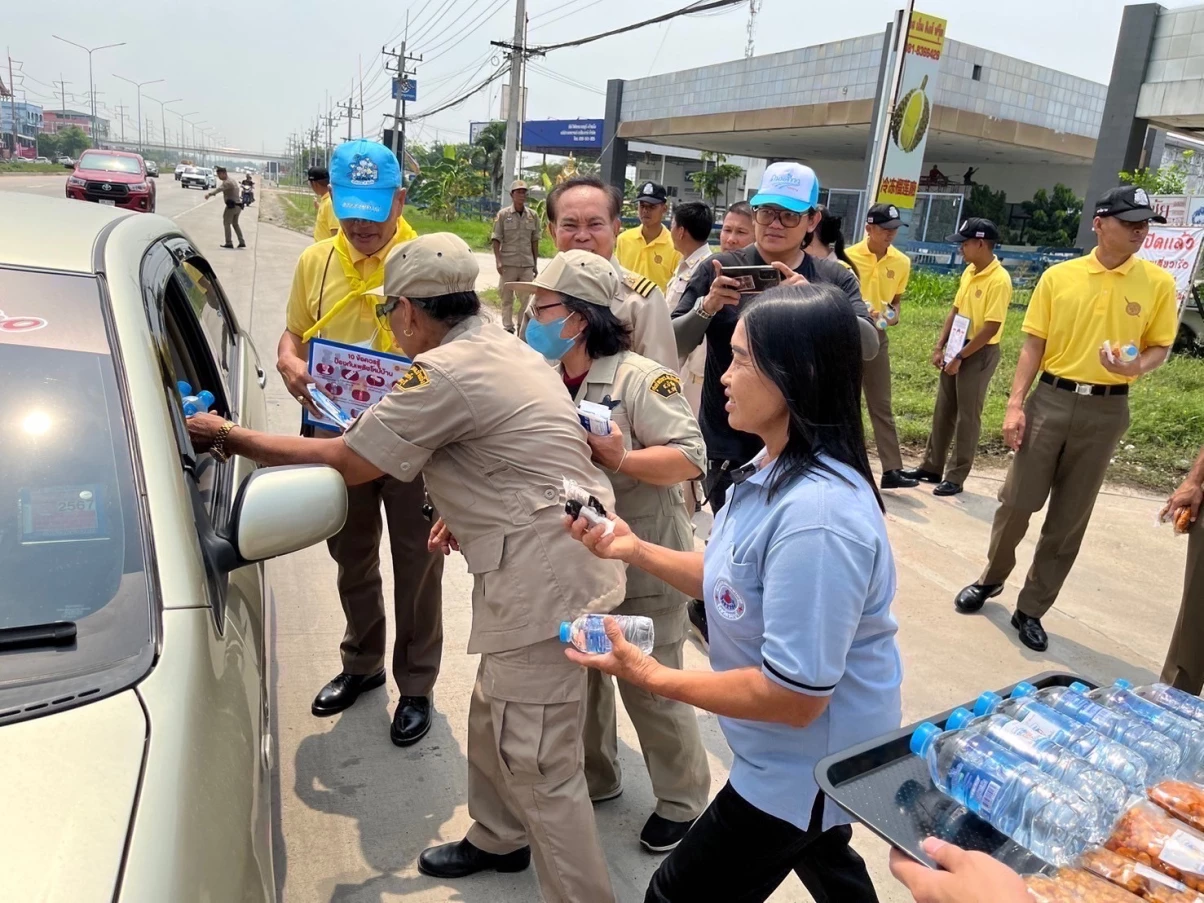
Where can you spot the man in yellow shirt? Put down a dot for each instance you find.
(883, 270)
(982, 298)
(328, 300)
(326, 225)
(648, 249)
(1064, 434)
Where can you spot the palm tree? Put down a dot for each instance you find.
(489, 152)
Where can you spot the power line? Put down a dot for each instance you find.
(453, 25)
(692, 8)
(456, 40)
(421, 31)
(501, 70)
(564, 79)
(565, 12)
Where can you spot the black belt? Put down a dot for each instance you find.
(1070, 385)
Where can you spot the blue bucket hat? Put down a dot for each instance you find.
(364, 177)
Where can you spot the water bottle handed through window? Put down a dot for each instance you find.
(588, 635)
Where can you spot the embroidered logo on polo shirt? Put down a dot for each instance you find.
(978, 293)
(890, 274)
(658, 258)
(1133, 309)
(728, 602)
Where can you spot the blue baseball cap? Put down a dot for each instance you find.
(364, 177)
(790, 185)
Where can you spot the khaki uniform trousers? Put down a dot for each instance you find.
(526, 784)
(691, 380)
(512, 274)
(230, 220)
(958, 415)
(1068, 443)
(875, 382)
(667, 729)
(417, 590)
(1184, 668)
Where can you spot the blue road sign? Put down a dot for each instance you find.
(405, 88)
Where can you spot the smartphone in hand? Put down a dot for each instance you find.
(752, 280)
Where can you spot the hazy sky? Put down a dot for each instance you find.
(257, 71)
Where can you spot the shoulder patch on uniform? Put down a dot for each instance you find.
(639, 284)
(666, 385)
(414, 378)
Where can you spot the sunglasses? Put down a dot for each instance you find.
(788, 218)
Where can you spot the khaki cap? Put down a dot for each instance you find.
(582, 274)
(518, 185)
(436, 264)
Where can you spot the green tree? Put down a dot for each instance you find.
(448, 177)
(1053, 220)
(988, 204)
(48, 145)
(489, 151)
(1163, 180)
(71, 141)
(708, 181)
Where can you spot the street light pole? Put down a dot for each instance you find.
(139, 86)
(91, 87)
(163, 105)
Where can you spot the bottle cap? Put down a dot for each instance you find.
(923, 738)
(206, 398)
(1122, 684)
(986, 703)
(183, 388)
(1022, 689)
(957, 719)
(1079, 687)
(566, 631)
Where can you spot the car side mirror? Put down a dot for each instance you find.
(280, 510)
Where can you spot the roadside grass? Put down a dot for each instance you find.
(19, 168)
(1166, 407)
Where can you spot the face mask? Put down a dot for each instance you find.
(545, 338)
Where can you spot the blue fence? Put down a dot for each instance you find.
(1026, 266)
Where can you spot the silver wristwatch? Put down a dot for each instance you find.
(701, 311)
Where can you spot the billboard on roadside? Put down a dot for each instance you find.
(560, 136)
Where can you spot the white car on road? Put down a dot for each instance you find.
(195, 177)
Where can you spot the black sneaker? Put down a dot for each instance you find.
(661, 835)
(698, 620)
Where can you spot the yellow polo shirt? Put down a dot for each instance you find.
(881, 280)
(319, 283)
(326, 225)
(1079, 304)
(656, 260)
(984, 296)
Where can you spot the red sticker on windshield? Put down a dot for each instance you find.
(20, 324)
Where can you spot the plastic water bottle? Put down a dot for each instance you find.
(1107, 792)
(589, 636)
(1081, 739)
(1184, 733)
(1178, 701)
(1128, 352)
(1160, 753)
(199, 403)
(1008, 793)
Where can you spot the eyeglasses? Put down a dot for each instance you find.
(536, 309)
(788, 218)
(384, 309)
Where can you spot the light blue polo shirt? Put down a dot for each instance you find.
(801, 587)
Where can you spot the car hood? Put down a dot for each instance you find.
(71, 780)
(105, 175)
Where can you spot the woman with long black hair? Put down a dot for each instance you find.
(826, 240)
(798, 580)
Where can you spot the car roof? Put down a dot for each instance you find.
(105, 150)
(74, 227)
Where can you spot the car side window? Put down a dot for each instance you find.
(193, 278)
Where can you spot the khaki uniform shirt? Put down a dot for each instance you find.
(651, 412)
(516, 232)
(641, 305)
(230, 190)
(489, 425)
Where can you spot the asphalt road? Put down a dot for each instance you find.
(171, 200)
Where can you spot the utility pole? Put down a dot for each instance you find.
(401, 84)
(753, 5)
(121, 113)
(91, 86)
(350, 108)
(62, 92)
(12, 99)
(518, 58)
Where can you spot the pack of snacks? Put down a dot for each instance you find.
(1148, 835)
(1141, 880)
(1183, 800)
(1075, 886)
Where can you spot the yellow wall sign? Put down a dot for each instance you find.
(912, 115)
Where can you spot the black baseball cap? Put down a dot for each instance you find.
(884, 215)
(318, 174)
(1128, 203)
(652, 193)
(975, 227)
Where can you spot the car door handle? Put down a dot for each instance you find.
(260, 376)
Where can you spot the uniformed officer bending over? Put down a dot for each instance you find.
(487, 422)
(653, 447)
(1065, 432)
(515, 242)
(1184, 667)
(583, 213)
(648, 249)
(982, 298)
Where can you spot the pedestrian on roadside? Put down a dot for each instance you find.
(326, 224)
(826, 240)
(583, 212)
(330, 299)
(883, 270)
(785, 211)
(798, 579)
(653, 447)
(1184, 667)
(489, 425)
(738, 230)
(648, 248)
(1065, 432)
(515, 242)
(982, 297)
(229, 191)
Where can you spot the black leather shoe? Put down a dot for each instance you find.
(342, 692)
(975, 596)
(1032, 634)
(697, 611)
(944, 487)
(230, 247)
(897, 479)
(411, 721)
(924, 476)
(661, 835)
(460, 859)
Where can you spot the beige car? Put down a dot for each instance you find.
(134, 657)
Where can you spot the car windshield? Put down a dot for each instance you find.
(71, 526)
(109, 162)
(192, 170)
